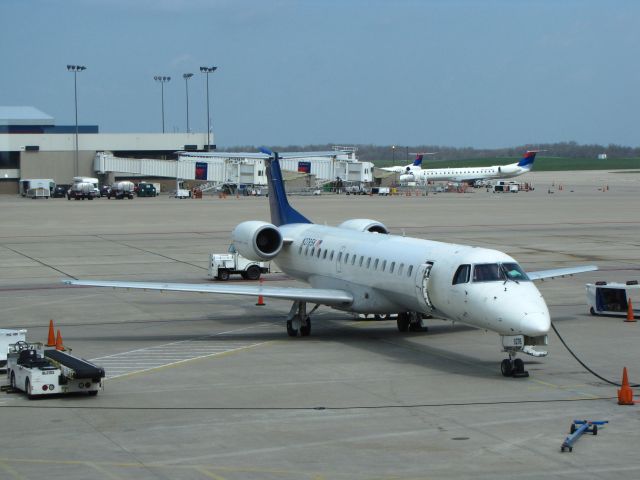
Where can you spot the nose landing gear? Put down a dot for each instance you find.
(513, 367)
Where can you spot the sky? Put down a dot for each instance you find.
(458, 73)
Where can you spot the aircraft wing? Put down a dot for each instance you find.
(560, 272)
(311, 295)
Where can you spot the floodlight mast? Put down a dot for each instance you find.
(207, 71)
(162, 79)
(75, 69)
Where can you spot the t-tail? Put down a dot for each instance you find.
(281, 212)
(418, 161)
(527, 160)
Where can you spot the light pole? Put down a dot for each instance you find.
(75, 69)
(207, 71)
(407, 151)
(393, 154)
(186, 77)
(162, 79)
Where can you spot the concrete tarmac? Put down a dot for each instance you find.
(210, 387)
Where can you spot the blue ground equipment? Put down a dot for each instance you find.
(578, 427)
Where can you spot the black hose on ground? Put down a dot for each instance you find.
(583, 364)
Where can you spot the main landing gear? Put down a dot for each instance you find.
(299, 320)
(411, 322)
(513, 367)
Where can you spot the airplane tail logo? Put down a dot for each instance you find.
(281, 212)
(418, 161)
(527, 159)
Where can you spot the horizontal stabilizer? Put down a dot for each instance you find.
(560, 272)
(311, 295)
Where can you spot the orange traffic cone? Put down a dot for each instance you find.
(59, 344)
(51, 339)
(625, 394)
(630, 316)
(260, 298)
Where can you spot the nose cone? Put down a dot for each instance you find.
(536, 323)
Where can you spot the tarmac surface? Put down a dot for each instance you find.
(211, 387)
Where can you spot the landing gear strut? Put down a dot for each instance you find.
(513, 367)
(298, 320)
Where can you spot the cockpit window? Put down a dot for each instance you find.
(493, 272)
(488, 272)
(462, 274)
(515, 272)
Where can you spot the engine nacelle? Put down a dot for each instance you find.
(364, 225)
(257, 240)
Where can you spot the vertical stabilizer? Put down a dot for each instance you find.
(527, 160)
(418, 161)
(281, 212)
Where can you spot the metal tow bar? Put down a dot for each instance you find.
(578, 427)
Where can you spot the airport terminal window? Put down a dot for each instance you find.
(461, 275)
(410, 270)
(488, 272)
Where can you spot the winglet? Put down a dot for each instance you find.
(281, 212)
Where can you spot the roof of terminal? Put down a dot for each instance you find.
(24, 116)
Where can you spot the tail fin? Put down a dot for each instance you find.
(418, 161)
(281, 212)
(527, 159)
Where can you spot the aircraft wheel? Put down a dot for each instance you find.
(573, 428)
(518, 365)
(595, 429)
(292, 332)
(592, 311)
(506, 368)
(93, 393)
(305, 330)
(403, 322)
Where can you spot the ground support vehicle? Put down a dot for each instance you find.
(9, 337)
(610, 298)
(60, 191)
(222, 265)
(121, 190)
(146, 190)
(38, 371)
(36, 187)
(80, 191)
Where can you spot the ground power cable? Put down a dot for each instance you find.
(635, 385)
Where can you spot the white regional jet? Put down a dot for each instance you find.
(472, 174)
(359, 267)
(412, 167)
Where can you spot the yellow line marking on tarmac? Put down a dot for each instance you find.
(13, 473)
(103, 470)
(207, 473)
(181, 362)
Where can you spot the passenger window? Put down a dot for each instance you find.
(393, 267)
(461, 275)
(401, 269)
(410, 270)
(300, 250)
(339, 257)
(368, 262)
(313, 251)
(332, 252)
(375, 264)
(319, 252)
(324, 255)
(353, 259)
(306, 250)
(361, 260)
(384, 265)
(346, 258)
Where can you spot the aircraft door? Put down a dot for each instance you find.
(422, 284)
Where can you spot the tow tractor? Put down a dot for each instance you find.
(38, 371)
(222, 265)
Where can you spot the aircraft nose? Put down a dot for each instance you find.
(535, 324)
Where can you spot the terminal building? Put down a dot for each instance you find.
(32, 146)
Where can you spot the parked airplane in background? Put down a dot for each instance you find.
(472, 174)
(359, 267)
(415, 166)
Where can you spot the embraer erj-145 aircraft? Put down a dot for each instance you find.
(359, 267)
(416, 165)
(472, 174)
